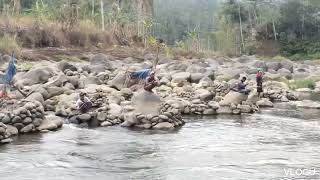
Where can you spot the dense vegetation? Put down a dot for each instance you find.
(288, 28)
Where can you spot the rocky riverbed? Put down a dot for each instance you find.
(190, 87)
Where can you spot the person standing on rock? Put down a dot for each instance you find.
(151, 82)
(242, 86)
(259, 79)
(84, 104)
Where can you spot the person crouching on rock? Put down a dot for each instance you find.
(151, 82)
(259, 79)
(84, 104)
(242, 86)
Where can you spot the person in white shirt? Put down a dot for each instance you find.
(83, 103)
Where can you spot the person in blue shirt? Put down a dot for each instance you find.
(242, 86)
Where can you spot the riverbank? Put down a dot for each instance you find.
(189, 87)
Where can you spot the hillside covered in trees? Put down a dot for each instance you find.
(288, 28)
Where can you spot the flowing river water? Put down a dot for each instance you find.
(275, 144)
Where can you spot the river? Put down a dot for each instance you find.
(274, 144)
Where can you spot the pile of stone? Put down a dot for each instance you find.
(167, 120)
(28, 117)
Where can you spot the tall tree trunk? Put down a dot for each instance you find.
(92, 12)
(274, 30)
(102, 14)
(240, 22)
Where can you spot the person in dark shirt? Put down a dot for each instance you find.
(242, 86)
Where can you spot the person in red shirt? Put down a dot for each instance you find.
(259, 80)
(151, 82)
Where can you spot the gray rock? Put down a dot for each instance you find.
(118, 81)
(16, 119)
(101, 116)
(27, 120)
(224, 110)
(55, 91)
(6, 119)
(36, 76)
(69, 86)
(27, 129)
(101, 60)
(273, 66)
(181, 77)
(163, 125)
(106, 123)
(146, 102)
(245, 108)
(287, 64)
(204, 94)
(36, 97)
(163, 117)
(264, 103)
(196, 77)
(37, 122)
(2, 130)
(233, 97)
(57, 81)
(214, 105)
(209, 112)
(84, 117)
(11, 131)
(64, 65)
(19, 126)
(285, 73)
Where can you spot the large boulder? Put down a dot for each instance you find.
(181, 77)
(118, 81)
(274, 66)
(36, 97)
(101, 60)
(146, 102)
(64, 65)
(285, 73)
(233, 97)
(58, 81)
(196, 77)
(115, 109)
(204, 94)
(36, 76)
(287, 64)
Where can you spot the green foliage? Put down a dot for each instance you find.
(306, 83)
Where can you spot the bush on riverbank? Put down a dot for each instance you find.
(303, 83)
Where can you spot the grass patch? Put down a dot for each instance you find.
(68, 58)
(26, 66)
(305, 83)
(8, 44)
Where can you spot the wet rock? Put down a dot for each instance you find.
(11, 131)
(163, 125)
(27, 129)
(84, 117)
(6, 141)
(264, 103)
(233, 97)
(209, 112)
(27, 120)
(107, 123)
(19, 126)
(101, 116)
